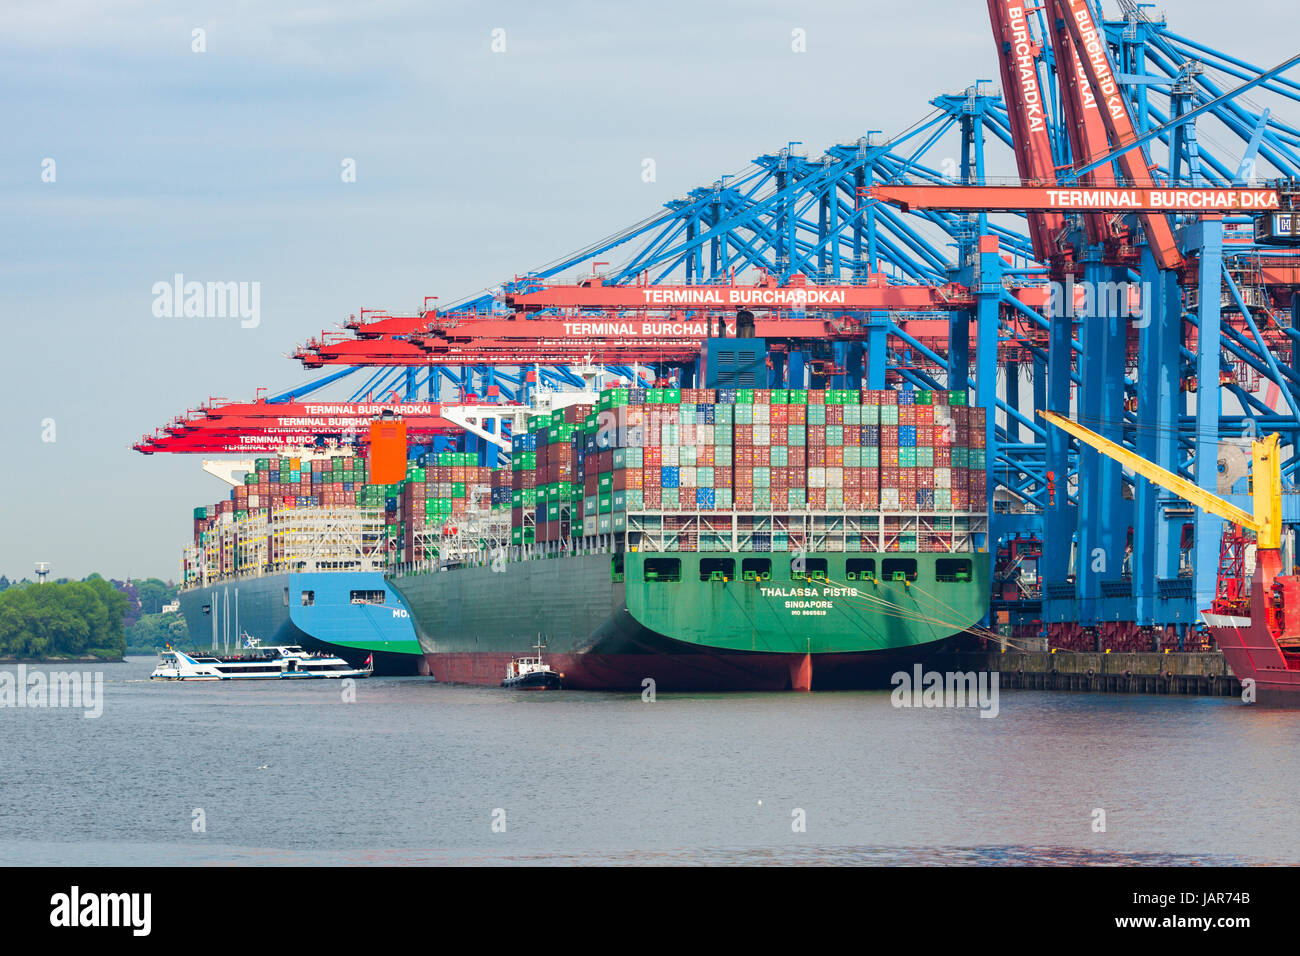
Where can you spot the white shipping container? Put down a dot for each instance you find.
(943, 477)
(762, 414)
(816, 477)
(762, 433)
(687, 474)
(671, 456)
(834, 477)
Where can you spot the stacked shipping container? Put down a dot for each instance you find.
(442, 488)
(439, 487)
(578, 474)
(547, 476)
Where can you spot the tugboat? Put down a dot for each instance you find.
(260, 663)
(531, 673)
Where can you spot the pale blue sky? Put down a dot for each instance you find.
(472, 166)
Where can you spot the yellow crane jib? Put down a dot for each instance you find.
(1266, 521)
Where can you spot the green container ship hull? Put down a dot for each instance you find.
(693, 621)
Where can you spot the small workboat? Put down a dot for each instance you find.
(286, 662)
(532, 673)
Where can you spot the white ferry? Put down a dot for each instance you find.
(286, 662)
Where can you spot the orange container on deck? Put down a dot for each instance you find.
(387, 451)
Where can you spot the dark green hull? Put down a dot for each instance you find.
(616, 621)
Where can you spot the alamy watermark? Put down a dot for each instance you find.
(127, 910)
(946, 689)
(208, 300)
(1071, 299)
(83, 690)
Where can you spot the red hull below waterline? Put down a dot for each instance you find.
(684, 672)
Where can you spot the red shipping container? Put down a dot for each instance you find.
(779, 415)
(763, 455)
(797, 414)
(817, 498)
(852, 435)
(834, 456)
(888, 436)
(817, 457)
(744, 436)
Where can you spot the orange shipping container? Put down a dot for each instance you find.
(387, 451)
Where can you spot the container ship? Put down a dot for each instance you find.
(296, 555)
(720, 539)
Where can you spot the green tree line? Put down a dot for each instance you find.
(85, 618)
(64, 619)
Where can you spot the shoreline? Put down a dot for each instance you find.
(61, 660)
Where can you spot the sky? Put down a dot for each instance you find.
(472, 165)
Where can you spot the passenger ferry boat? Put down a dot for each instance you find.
(285, 662)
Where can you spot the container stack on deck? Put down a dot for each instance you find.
(578, 473)
(280, 483)
(546, 476)
(441, 490)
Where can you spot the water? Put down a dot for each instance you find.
(412, 772)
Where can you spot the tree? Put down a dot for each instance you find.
(70, 618)
(153, 594)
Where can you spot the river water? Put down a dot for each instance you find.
(412, 771)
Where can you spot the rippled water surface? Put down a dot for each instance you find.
(416, 772)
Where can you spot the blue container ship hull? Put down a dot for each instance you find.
(351, 614)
